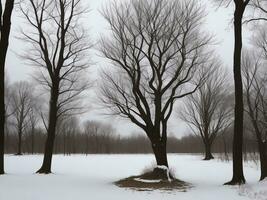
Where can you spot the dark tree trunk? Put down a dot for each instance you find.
(238, 176)
(159, 147)
(261, 147)
(20, 124)
(64, 143)
(87, 145)
(32, 134)
(7, 144)
(2, 116)
(208, 155)
(263, 159)
(5, 23)
(160, 152)
(19, 152)
(158, 141)
(51, 132)
(225, 149)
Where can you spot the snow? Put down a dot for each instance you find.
(163, 167)
(91, 177)
(147, 181)
(167, 170)
(256, 192)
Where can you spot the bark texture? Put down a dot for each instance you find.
(5, 26)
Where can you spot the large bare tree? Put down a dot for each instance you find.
(207, 111)
(5, 26)
(59, 47)
(156, 50)
(240, 7)
(238, 175)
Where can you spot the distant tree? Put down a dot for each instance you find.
(5, 26)
(157, 50)
(207, 111)
(98, 136)
(68, 129)
(91, 130)
(107, 134)
(59, 47)
(22, 102)
(34, 118)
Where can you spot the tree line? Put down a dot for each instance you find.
(94, 137)
(159, 54)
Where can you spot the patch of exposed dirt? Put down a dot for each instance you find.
(154, 180)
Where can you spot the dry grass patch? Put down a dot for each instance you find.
(158, 179)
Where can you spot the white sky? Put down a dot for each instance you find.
(218, 22)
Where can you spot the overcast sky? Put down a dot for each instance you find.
(218, 22)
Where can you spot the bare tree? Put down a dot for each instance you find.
(5, 26)
(68, 128)
(256, 94)
(22, 101)
(34, 118)
(256, 78)
(98, 136)
(59, 47)
(239, 10)
(207, 111)
(107, 134)
(156, 50)
(92, 131)
(238, 175)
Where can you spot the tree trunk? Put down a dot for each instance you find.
(4, 42)
(208, 155)
(87, 145)
(159, 145)
(238, 176)
(261, 145)
(19, 143)
(32, 133)
(2, 120)
(51, 133)
(263, 159)
(160, 152)
(225, 149)
(7, 145)
(64, 143)
(161, 171)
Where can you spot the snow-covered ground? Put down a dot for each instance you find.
(90, 177)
